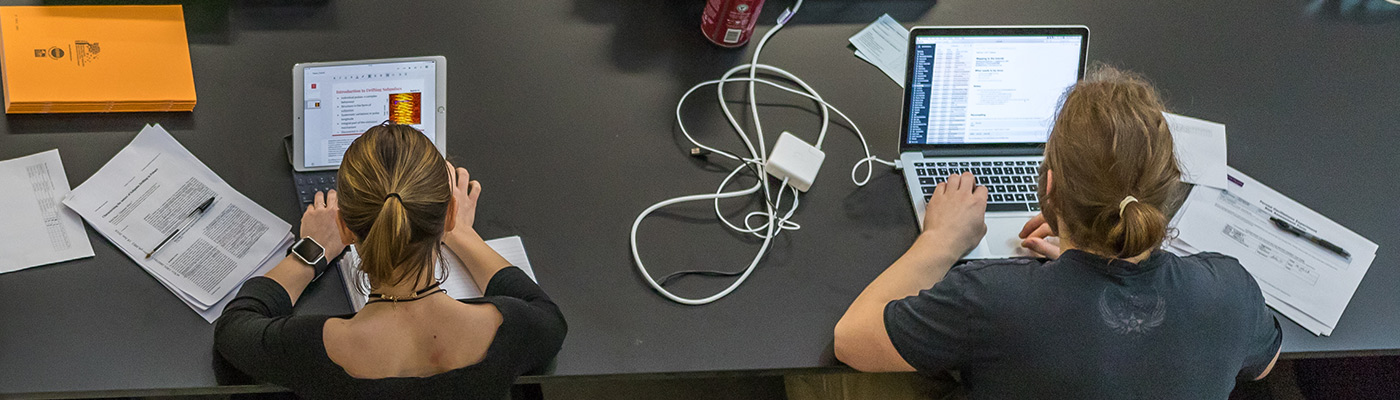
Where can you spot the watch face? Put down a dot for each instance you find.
(308, 250)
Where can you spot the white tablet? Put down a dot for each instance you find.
(335, 102)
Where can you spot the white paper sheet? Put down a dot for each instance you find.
(459, 283)
(1180, 248)
(1174, 242)
(213, 312)
(35, 228)
(149, 189)
(884, 43)
(1299, 278)
(1200, 150)
(1297, 316)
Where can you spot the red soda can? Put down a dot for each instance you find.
(730, 23)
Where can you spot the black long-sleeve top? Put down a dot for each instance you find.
(259, 335)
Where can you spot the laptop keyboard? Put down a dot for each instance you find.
(308, 183)
(1011, 185)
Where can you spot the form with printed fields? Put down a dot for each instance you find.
(1307, 266)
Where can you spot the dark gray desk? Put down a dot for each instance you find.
(564, 110)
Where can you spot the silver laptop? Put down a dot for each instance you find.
(983, 99)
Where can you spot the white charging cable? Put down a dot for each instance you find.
(776, 220)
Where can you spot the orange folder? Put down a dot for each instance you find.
(95, 59)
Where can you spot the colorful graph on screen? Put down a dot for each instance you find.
(406, 108)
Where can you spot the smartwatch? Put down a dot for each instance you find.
(311, 253)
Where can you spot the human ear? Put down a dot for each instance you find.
(346, 236)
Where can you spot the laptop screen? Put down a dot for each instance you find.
(342, 101)
(988, 89)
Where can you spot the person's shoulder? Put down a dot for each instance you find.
(997, 270)
(999, 265)
(1219, 266)
(1211, 261)
(534, 333)
(511, 313)
(1210, 257)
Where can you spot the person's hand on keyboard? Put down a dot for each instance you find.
(319, 223)
(1038, 237)
(956, 212)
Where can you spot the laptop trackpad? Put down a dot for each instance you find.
(1002, 240)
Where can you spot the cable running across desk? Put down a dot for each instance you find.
(775, 218)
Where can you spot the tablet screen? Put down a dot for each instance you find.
(343, 101)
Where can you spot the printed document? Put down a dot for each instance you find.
(35, 228)
(150, 190)
(1200, 150)
(1303, 280)
(458, 284)
(884, 43)
(213, 312)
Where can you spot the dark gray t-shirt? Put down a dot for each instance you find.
(1084, 327)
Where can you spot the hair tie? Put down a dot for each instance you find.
(386, 197)
(1123, 204)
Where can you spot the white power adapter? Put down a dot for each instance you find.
(796, 161)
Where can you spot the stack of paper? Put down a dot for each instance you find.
(458, 283)
(72, 59)
(36, 228)
(1308, 273)
(884, 43)
(149, 190)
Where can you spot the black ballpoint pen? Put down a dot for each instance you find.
(1286, 227)
(196, 213)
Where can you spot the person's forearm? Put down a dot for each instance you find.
(293, 275)
(925, 264)
(481, 260)
(860, 338)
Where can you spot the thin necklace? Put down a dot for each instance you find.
(425, 292)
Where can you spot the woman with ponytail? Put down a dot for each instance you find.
(397, 201)
(1105, 313)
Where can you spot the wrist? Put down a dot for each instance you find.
(306, 252)
(333, 248)
(937, 248)
(458, 237)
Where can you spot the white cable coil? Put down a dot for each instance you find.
(756, 162)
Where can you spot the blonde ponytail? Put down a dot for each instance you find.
(394, 193)
(379, 251)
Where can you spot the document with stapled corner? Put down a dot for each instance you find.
(149, 190)
(459, 282)
(1304, 281)
(36, 229)
(884, 43)
(1200, 150)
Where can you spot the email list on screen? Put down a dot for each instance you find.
(989, 89)
(343, 101)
